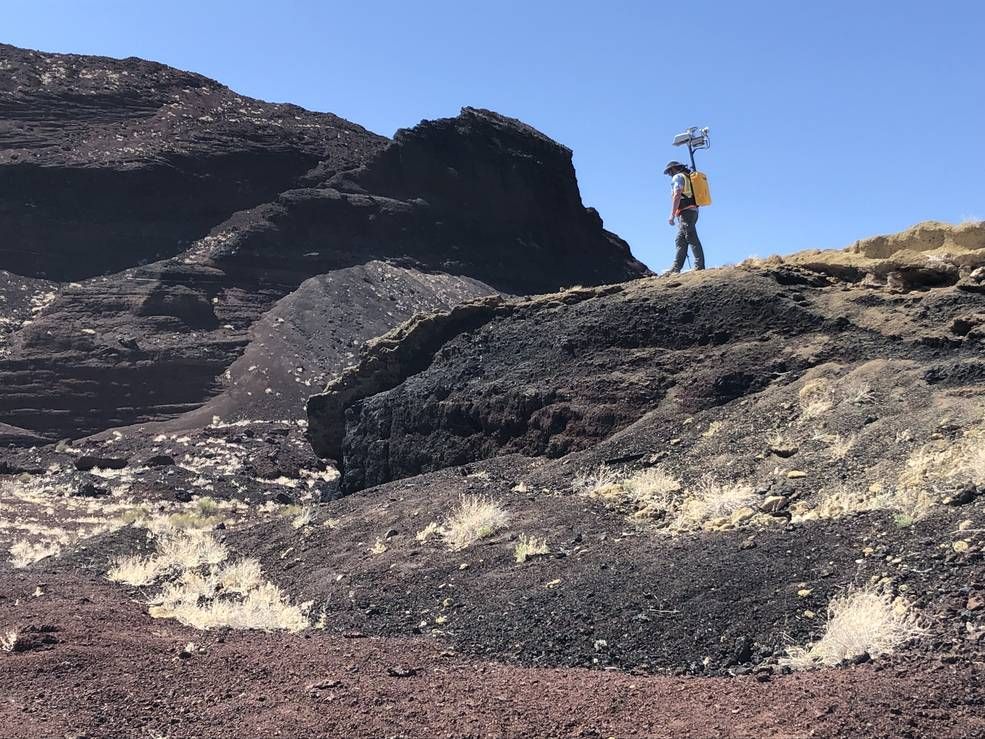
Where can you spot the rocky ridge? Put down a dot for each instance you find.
(245, 202)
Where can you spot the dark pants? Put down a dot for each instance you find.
(687, 233)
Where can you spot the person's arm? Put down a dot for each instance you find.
(675, 204)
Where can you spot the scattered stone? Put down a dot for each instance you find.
(87, 463)
(963, 495)
(325, 684)
(774, 504)
(742, 652)
(796, 474)
(400, 671)
(89, 490)
(784, 449)
(962, 326)
(975, 603)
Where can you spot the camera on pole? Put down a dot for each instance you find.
(694, 138)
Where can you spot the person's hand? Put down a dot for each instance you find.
(671, 220)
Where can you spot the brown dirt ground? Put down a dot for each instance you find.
(115, 672)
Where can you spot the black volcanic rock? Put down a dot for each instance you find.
(562, 373)
(110, 164)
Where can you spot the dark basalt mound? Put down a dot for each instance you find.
(108, 163)
(558, 374)
(102, 153)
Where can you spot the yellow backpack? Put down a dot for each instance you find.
(699, 188)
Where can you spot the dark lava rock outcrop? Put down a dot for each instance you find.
(557, 374)
(109, 165)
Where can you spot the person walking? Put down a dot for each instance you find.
(684, 211)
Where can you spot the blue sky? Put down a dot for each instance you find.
(830, 121)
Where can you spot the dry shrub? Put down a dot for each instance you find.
(656, 495)
(190, 549)
(429, 531)
(476, 518)
(205, 593)
(942, 463)
(304, 518)
(816, 398)
(861, 621)
(24, 553)
(527, 547)
(135, 570)
(264, 608)
(590, 481)
(648, 493)
(712, 502)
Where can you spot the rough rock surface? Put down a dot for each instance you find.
(927, 254)
(120, 673)
(688, 471)
(112, 164)
(594, 361)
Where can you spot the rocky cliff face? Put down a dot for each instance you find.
(557, 374)
(111, 163)
(159, 216)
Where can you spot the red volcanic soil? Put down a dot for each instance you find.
(95, 665)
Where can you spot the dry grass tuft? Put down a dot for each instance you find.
(379, 546)
(240, 576)
(942, 463)
(190, 549)
(647, 493)
(649, 486)
(838, 446)
(305, 518)
(839, 502)
(135, 570)
(527, 547)
(816, 398)
(429, 531)
(862, 621)
(24, 553)
(593, 480)
(859, 392)
(205, 591)
(477, 517)
(713, 503)
(656, 495)
(264, 608)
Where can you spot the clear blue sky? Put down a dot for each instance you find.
(830, 120)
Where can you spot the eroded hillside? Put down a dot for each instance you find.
(363, 436)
